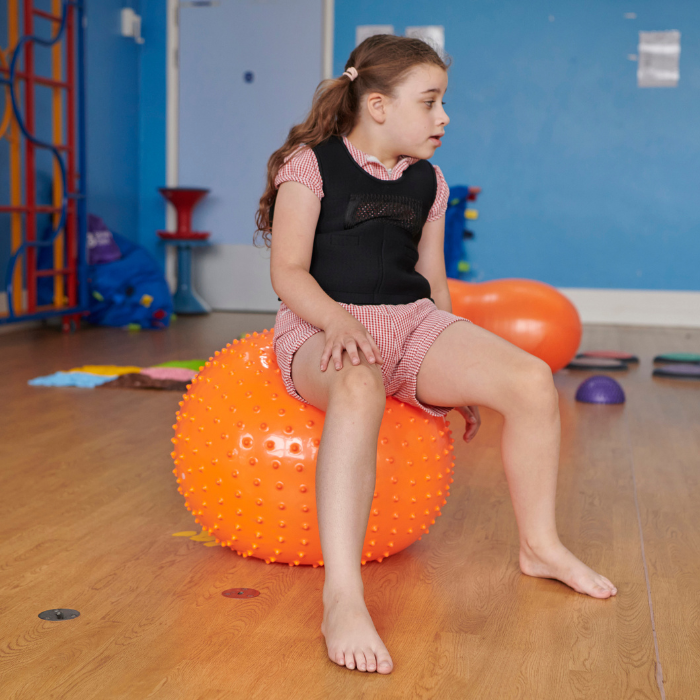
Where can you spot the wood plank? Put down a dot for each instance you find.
(663, 424)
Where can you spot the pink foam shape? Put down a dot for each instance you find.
(181, 374)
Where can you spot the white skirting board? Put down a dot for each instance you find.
(636, 307)
(237, 278)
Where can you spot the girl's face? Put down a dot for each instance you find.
(417, 113)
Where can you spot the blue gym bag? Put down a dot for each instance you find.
(125, 284)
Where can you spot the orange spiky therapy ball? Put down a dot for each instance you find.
(245, 461)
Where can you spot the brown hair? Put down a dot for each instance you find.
(382, 62)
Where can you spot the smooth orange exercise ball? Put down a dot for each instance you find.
(245, 460)
(532, 315)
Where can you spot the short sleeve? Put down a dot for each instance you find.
(437, 211)
(301, 166)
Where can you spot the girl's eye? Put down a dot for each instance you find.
(430, 102)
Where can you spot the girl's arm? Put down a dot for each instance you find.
(431, 262)
(297, 210)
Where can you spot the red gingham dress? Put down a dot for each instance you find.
(403, 332)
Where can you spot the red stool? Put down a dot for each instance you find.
(184, 200)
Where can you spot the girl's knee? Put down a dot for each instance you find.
(362, 382)
(536, 382)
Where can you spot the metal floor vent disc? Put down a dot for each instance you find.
(58, 614)
(241, 593)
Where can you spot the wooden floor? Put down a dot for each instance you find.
(89, 507)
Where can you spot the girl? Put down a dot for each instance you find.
(357, 259)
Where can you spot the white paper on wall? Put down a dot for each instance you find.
(362, 31)
(433, 34)
(659, 53)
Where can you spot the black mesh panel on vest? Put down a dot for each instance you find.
(404, 211)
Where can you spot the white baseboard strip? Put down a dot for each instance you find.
(636, 307)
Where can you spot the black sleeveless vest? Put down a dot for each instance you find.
(365, 245)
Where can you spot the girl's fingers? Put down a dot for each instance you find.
(325, 357)
(333, 352)
(375, 350)
(471, 414)
(367, 350)
(351, 347)
(338, 355)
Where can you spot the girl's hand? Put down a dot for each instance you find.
(346, 332)
(473, 418)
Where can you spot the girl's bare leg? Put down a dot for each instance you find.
(354, 400)
(467, 365)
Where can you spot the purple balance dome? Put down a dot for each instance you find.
(600, 389)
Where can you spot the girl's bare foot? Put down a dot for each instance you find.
(351, 637)
(556, 561)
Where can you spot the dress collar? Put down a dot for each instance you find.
(361, 157)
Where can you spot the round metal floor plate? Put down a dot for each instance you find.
(241, 593)
(58, 614)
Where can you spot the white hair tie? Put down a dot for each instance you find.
(351, 73)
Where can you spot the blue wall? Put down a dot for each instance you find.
(126, 104)
(112, 133)
(152, 126)
(589, 181)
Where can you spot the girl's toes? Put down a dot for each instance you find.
(371, 661)
(340, 658)
(361, 661)
(349, 659)
(384, 665)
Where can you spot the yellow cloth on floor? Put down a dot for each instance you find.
(106, 369)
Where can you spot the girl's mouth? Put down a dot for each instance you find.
(435, 141)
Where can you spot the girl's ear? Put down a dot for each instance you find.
(376, 105)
